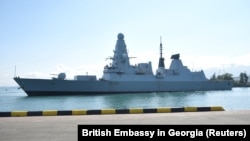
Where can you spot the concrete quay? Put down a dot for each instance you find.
(64, 128)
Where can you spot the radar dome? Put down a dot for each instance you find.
(120, 36)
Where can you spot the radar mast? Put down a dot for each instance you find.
(161, 59)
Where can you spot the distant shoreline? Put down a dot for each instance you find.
(241, 85)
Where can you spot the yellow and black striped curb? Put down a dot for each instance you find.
(108, 111)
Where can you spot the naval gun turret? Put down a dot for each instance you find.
(60, 76)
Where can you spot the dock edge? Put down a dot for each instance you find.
(109, 111)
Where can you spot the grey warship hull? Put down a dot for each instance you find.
(46, 87)
(122, 77)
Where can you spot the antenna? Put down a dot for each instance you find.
(160, 48)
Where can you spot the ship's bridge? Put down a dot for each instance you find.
(121, 65)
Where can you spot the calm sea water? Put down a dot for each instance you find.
(12, 99)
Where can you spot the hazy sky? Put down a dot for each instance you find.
(44, 37)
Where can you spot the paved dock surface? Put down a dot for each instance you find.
(64, 128)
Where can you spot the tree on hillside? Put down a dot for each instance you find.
(243, 78)
(226, 76)
(213, 77)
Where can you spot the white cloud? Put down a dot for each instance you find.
(71, 71)
(219, 62)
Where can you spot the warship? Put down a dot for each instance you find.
(121, 77)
